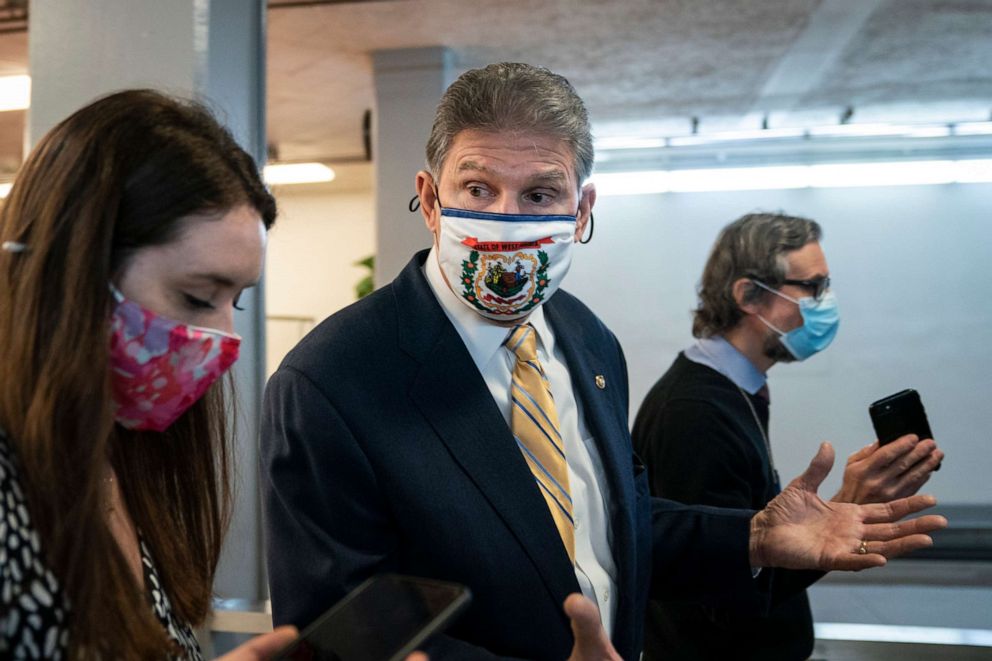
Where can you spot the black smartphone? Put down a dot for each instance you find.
(383, 619)
(898, 415)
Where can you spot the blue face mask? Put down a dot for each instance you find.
(821, 318)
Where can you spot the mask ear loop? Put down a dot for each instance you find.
(775, 291)
(592, 228)
(415, 201)
(437, 200)
(768, 324)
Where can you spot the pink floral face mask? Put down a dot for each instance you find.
(160, 367)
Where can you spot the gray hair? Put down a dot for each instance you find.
(510, 96)
(753, 246)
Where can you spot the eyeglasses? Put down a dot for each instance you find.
(816, 286)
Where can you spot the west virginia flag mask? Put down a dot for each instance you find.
(504, 265)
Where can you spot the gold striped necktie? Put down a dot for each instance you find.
(534, 423)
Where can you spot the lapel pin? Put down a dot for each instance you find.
(600, 381)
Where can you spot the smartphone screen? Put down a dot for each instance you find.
(384, 618)
(899, 414)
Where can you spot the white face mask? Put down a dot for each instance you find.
(504, 265)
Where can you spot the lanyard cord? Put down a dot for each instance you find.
(761, 429)
(764, 436)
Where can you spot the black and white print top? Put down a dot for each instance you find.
(34, 611)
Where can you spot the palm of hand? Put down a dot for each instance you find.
(804, 531)
(798, 530)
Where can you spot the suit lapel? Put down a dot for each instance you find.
(453, 397)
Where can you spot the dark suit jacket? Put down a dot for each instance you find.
(383, 450)
(702, 444)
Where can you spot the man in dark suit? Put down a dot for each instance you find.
(466, 422)
(702, 430)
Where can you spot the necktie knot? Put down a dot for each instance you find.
(522, 341)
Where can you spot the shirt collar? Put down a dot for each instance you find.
(482, 337)
(719, 354)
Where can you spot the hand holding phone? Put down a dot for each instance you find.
(384, 619)
(887, 470)
(900, 414)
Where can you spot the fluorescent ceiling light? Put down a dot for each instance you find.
(628, 142)
(765, 178)
(275, 175)
(927, 132)
(881, 130)
(828, 175)
(911, 173)
(974, 171)
(15, 92)
(631, 183)
(281, 174)
(864, 130)
(734, 136)
(973, 128)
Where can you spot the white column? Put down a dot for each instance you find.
(408, 85)
(211, 50)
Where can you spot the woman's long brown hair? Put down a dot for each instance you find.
(113, 178)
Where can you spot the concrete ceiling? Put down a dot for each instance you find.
(643, 66)
(647, 65)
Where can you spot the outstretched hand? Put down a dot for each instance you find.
(879, 473)
(798, 530)
(591, 641)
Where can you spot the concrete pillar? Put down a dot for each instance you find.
(408, 85)
(211, 50)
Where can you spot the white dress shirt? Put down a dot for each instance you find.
(595, 568)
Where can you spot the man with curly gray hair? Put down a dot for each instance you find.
(702, 431)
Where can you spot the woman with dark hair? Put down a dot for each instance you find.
(129, 235)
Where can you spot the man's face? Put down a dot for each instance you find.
(807, 263)
(507, 172)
